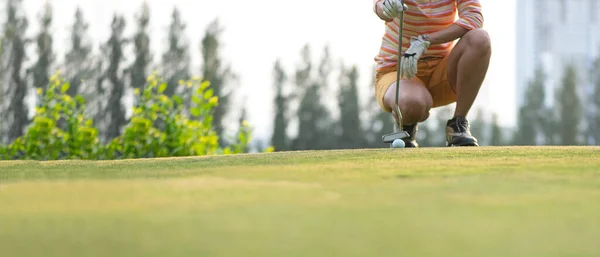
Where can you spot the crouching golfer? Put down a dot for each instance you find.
(435, 71)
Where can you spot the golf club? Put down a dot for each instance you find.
(399, 132)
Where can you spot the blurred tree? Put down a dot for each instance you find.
(478, 127)
(596, 102)
(13, 109)
(1, 86)
(115, 115)
(525, 133)
(279, 138)
(302, 83)
(314, 125)
(138, 71)
(534, 118)
(218, 74)
(78, 67)
(243, 121)
(569, 108)
(325, 124)
(41, 68)
(496, 136)
(352, 135)
(83, 70)
(97, 93)
(176, 61)
(545, 118)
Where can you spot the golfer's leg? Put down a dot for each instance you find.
(467, 66)
(414, 101)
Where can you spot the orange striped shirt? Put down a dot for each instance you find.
(426, 17)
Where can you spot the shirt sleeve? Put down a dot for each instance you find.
(470, 15)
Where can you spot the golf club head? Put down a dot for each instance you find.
(389, 138)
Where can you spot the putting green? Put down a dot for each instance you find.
(513, 201)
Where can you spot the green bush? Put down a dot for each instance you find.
(59, 129)
(159, 127)
(3, 152)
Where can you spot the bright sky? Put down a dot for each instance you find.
(254, 37)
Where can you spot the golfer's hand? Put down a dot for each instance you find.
(392, 8)
(410, 59)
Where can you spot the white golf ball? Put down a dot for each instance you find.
(398, 143)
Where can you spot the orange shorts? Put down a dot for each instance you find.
(431, 73)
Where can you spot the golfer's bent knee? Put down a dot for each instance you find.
(479, 40)
(413, 110)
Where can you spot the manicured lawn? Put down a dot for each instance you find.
(503, 202)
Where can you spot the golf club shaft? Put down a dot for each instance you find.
(399, 64)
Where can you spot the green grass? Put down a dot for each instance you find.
(427, 202)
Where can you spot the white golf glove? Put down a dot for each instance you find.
(418, 46)
(392, 8)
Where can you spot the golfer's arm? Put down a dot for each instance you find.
(449, 34)
(471, 17)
